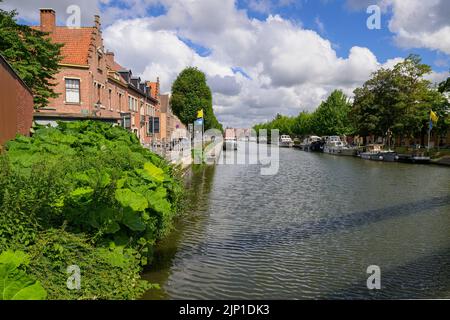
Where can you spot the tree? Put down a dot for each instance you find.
(332, 116)
(190, 94)
(397, 100)
(444, 86)
(32, 54)
(302, 124)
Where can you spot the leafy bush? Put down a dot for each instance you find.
(95, 177)
(107, 273)
(98, 184)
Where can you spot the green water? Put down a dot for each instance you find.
(309, 232)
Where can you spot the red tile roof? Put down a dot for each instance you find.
(76, 42)
(116, 67)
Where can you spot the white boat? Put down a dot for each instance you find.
(334, 145)
(375, 152)
(230, 144)
(286, 142)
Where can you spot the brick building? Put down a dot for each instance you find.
(92, 85)
(169, 121)
(16, 104)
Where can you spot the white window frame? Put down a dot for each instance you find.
(72, 100)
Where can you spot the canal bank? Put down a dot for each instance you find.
(309, 232)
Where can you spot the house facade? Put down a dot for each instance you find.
(169, 121)
(92, 85)
(16, 104)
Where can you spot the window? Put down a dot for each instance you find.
(126, 121)
(98, 94)
(153, 125)
(109, 99)
(72, 90)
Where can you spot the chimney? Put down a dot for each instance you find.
(48, 20)
(157, 87)
(110, 58)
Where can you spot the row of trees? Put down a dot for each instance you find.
(190, 94)
(397, 100)
(330, 118)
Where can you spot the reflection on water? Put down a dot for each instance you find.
(309, 232)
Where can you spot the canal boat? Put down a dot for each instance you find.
(334, 145)
(376, 152)
(414, 158)
(312, 143)
(286, 142)
(230, 144)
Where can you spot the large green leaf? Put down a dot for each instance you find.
(154, 172)
(133, 220)
(14, 258)
(15, 284)
(158, 201)
(128, 198)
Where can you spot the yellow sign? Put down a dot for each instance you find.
(200, 114)
(434, 117)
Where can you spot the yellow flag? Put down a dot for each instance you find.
(434, 117)
(200, 114)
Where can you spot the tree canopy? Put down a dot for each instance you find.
(332, 116)
(398, 100)
(34, 57)
(190, 94)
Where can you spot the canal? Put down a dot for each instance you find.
(309, 232)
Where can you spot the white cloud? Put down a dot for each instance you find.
(415, 23)
(424, 24)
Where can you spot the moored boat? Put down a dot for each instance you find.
(375, 152)
(230, 144)
(334, 145)
(414, 158)
(312, 143)
(286, 142)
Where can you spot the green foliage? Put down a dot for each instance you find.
(92, 180)
(399, 100)
(107, 273)
(332, 116)
(32, 55)
(444, 86)
(94, 176)
(190, 94)
(15, 284)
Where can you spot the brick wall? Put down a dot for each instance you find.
(16, 104)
